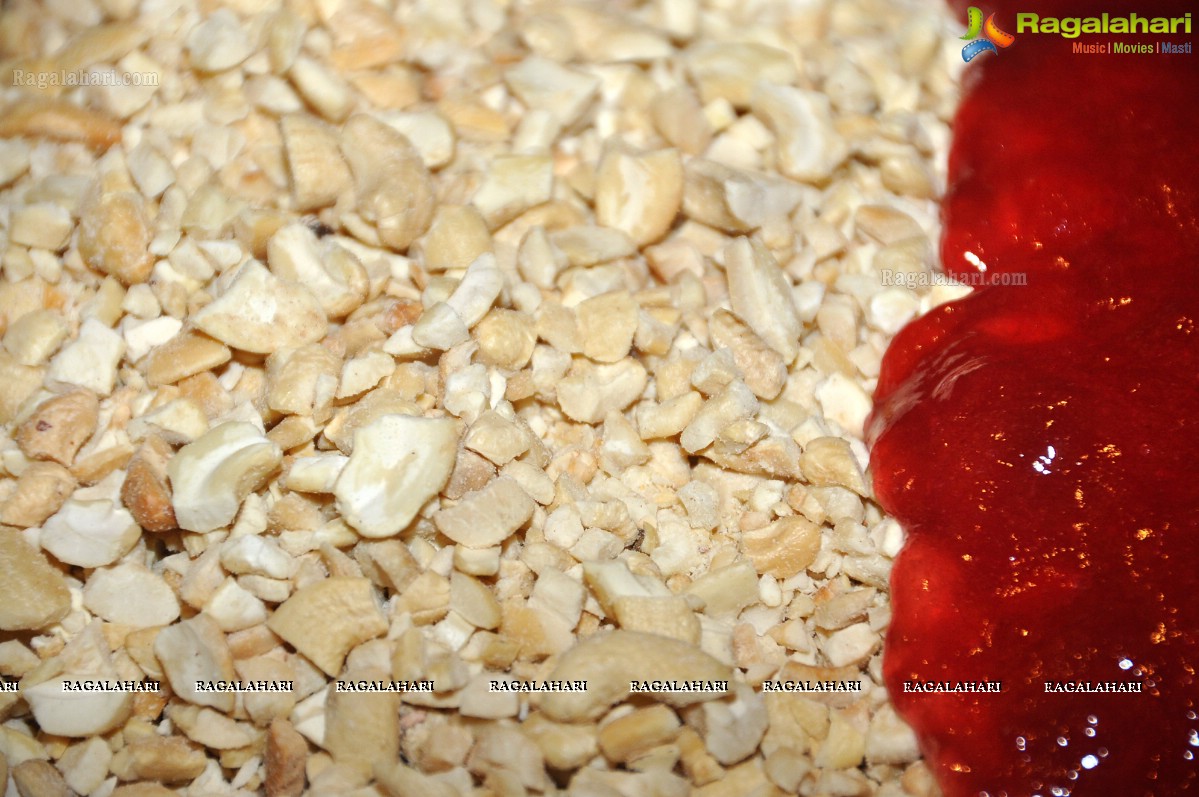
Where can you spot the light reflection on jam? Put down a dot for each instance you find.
(1038, 442)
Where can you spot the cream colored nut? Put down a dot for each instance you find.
(732, 728)
(393, 188)
(735, 200)
(362, 728)
(844, 401)
(732, 404)
(151, 170)
(41, 489)
(301, 380)
(319, 173)
(668, 418)
(639, 193)
(17, 383)
(322, 88)
(609, 661)
(14, 160)
(532, 480)
(212, 476)
(607, 324)
(42, 225)
(486, 517)
(89, 533)
(145, 492)
(130, 594)
(398, 463)
(76, 714)
(59, 426)
(85, 765)
(542, 84)
(633, 735)
(257, 555)
(478, 700)
(90, 361)
(218, 43)
(457, 236)
(761, 296)
(497, 438)
(668, 616)
(829, 462)
(890, 740)
(590, 391)
(851, 645)
(610, 581)
(514, 184)
(887, 225)
(473, 601)
(480, 287)
(166, 759)
(845, 745)
(783, 548)
(762, 367)
(196, 650)
(809, 147)
(731, 70)
(726, 590)
(331, 272)
(177, 422)
(59, 120)
(440, 327)
(506, 339)
(537, 259)
(315, 474)
(429, 132)
(33, 594)
(680, 119)
(364, 373)
(426, 598)
(261, 313)
(114, 237)
(187, 354)
(586, 245)
(211, 728)
(327, 619)
(144, 335)
(400, 780)
(286, 753)
(33, 337)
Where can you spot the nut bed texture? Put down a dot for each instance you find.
(394, 358)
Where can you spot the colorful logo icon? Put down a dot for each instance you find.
(992, 37)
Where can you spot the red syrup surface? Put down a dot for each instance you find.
(1039, 442)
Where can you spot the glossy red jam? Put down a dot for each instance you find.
(1040, 443)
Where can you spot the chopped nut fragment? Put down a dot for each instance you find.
(487, 517)
(327, 619)
(114, 237)
(32, 593)
(212, 476)
(262, 313)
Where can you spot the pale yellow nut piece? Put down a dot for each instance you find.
(145, 492)
(762, 367)
(829, 462)
(609, 661)
(166, 759)
(668, 616)
(211, 728)
(114, 237)
(286, 752)
(299, 380)
(497, 438)
(506, 338)
(59, 120)
(398, 463)
(187, 354)
(486, 517)
(887, 225)
(41, 489)
(85, 765)
(809, 148)
(131, 594)
(736, 200)
(457, 236)
(89, 533)
(59, 426)
(761, 295)
(514, 184)
(607, 324)
(326, 620)
(564, 745)
(680, 118)
(33, 594)
(639, 193)
(39, 779)
(196, 650)
(732, 729)
(212, 476)
(731, 70)
(90, 361)
(42, 225)
(362, 728)
(323, 88)
(33, 337)
(393, 188)
(783, 548)
(473, 601)
(543, 84)
(590, 391)
(76, 714)
(632, 735)
(218, 43)
(261, 313)
(319, 173)
(726, 590)
(332, 273)
(400, 780)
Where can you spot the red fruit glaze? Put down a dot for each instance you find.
(1037, 441)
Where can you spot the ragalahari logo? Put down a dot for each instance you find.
(992, 37)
